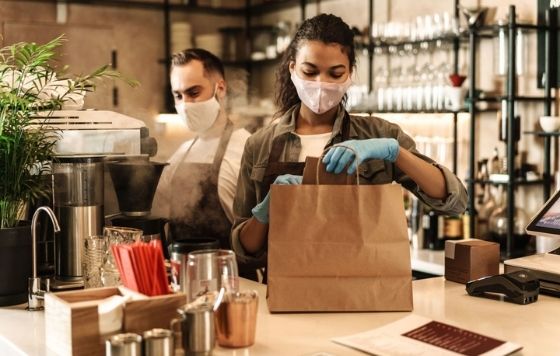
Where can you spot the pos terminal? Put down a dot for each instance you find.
(545, 266)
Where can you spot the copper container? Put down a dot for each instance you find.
(236, 319)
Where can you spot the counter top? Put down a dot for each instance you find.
(428, 261)
(534, 326)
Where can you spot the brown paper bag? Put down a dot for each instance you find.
(312, 165)
(338, 248)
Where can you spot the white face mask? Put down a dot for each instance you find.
(320, 96)
(199, 116)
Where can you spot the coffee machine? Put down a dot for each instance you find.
(78, 204)
(82, 189)
(135, 182)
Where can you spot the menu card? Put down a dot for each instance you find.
(417, 335)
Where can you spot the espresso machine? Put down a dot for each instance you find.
(82, 191)
(78, 205)
(135, 182)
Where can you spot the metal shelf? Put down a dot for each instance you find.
(543, 133)
(271, 6)
(154, 5)
(511, 99)
(517, 182)
(241, 63)
(505, 97)
(449, 39)
(208, 10)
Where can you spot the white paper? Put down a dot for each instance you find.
(111, 314)
(389, 340)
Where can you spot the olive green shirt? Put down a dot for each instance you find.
(255, 160)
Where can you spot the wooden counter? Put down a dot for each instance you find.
(535, 326)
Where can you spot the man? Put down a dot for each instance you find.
(196, 190)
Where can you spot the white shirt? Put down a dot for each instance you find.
(203, 151)
(313, 145)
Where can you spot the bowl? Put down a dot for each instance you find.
(549, 123)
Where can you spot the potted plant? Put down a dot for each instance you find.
(31, 88)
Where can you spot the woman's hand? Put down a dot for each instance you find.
(339, 156)
(260, 211)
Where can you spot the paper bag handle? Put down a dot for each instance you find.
(338, 145)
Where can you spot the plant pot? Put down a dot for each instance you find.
(15, 263)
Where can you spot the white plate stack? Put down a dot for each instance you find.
(181, 36)
(211, 42)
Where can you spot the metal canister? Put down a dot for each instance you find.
(127, 344)
(158, 342)
(197, 329)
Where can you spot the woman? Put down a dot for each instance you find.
(312, 82)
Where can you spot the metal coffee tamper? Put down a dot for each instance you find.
(35, 295)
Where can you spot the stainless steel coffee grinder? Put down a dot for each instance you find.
(78, 204)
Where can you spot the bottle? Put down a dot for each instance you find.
(498, 221)
(416, 224)
(485, 200)
(503, 124)
(453, 228)
(466, 218)
(495, 164)
(433, 225)
(486, 205)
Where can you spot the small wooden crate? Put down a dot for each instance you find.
(72, 319)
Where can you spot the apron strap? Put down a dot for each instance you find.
(224, 140)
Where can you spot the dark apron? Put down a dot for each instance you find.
(196, 211)
(276, 168)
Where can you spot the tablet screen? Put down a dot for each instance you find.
(547, 219)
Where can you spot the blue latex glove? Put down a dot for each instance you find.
(339, 156)
(260, 211)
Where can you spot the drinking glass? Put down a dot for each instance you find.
(227, 264)
(95, 249)
(110, 276)
(236, 319)
(210, 270)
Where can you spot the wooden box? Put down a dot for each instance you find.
(72, 318)
(467, 260)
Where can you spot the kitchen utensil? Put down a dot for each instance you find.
(455, 98)
(457, 79)
(207, 271)
(236, 319)
(116, 235)
(179, 251)
(95, 250)
(196, 324)
(127, 344)
(474, 16)
(158, 342)
(135, 183)
(549, 123)
(78, 201)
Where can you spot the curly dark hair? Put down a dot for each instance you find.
(326, 28)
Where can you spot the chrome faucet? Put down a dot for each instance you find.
(35, 295)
